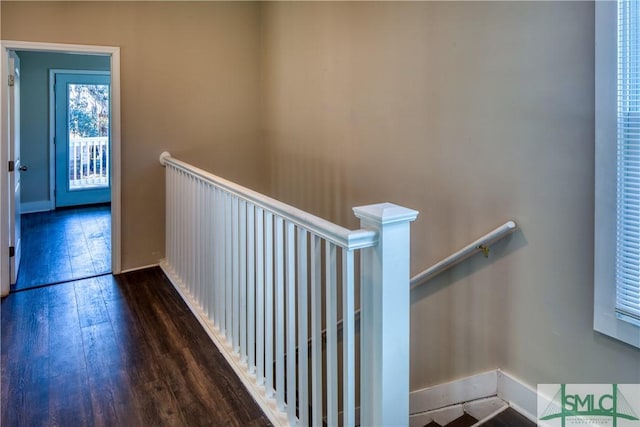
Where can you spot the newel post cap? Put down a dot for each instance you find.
(385, 213)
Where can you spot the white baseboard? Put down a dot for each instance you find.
(463, 390)
(267, 404)
(447, 401)
(37, 206)
(520, 396)
(143, 267)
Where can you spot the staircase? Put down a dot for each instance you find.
(489, 412)
(507, 418)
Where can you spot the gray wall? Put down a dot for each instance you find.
(34, 110)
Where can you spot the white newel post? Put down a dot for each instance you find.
(384, 321)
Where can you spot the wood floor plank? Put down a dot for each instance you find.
(140, 359)
(112, 400)
(101, 350)
(92, 309)
(187, 381)
(69, 402)
(110, 289)
(64, 245)
(156, 401)
(510, 418)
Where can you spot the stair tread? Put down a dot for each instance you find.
(465, 420)
(433, 424)
(509, 418)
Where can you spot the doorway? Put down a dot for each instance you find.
(93, 163)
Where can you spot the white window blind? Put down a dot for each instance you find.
(628, 187)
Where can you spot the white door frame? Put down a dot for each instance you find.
(114, 53)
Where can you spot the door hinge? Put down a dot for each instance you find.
(12, 251)
(12, 80)
(12, 166)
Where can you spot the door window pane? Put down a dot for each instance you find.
(88, 136)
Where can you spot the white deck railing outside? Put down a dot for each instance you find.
(265, 279)
(88, 162)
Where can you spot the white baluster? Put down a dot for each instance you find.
(279, 332)
(178, 223)
(235, 275)
(303, 362)
(291, 321)
(316, 332)
(242, 255)
(99, 168)
(220, 259)
(260, 292)
(269, 305)
(72, 161)
(83, 161)
(192, 235)
(228, 273)
(92, 161)
(251, 288)
(183, 226)
(210, 258)
(168, 244)
(332, 334)
(204, 236)
(348, 340)
(199, 249)
(106, 152)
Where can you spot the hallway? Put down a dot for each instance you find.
(63, 245)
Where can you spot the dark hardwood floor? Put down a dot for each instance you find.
(63, 245)
(114, 351)
(509, 418)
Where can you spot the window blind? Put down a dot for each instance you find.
(628, 179)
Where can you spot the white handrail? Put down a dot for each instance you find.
(480, 245)
(343, 237)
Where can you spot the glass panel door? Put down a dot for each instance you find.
(82, 139)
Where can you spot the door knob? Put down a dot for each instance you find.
(23, 168)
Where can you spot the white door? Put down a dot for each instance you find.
(14, 172)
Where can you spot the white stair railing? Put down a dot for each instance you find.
(263, 277)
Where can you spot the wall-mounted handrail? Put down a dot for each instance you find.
(480, 245)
